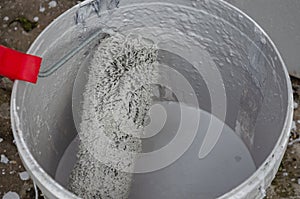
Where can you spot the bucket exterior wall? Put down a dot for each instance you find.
(42, 119)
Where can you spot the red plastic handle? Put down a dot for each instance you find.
(19, 66)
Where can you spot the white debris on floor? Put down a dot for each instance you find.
(294, 141)
(295, 105)
(12, 172)
(1, 140)
(52, 4)
(42, 8)
(4, 159)
(294, 127)
(35, 19)
(6, 18)
(24, 175)
(11, 195)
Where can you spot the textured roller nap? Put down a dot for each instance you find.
(116, 100)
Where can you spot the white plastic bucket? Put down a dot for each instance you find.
(258, 91)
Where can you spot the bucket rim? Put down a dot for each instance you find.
(254, 184)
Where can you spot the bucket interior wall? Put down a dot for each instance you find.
(252, 73)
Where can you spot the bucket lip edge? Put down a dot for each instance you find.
(59, 191)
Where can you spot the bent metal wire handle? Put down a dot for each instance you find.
(84, 11)
(68, 56)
